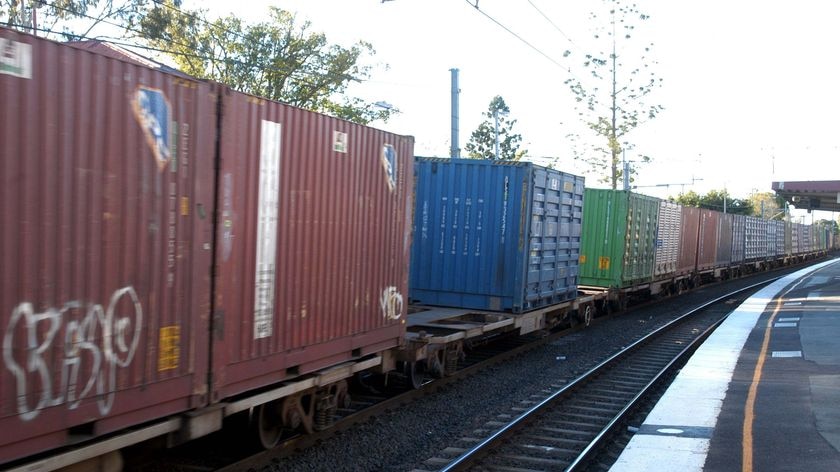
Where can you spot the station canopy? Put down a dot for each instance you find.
(810, 195)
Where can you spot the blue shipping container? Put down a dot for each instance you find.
(491, 235)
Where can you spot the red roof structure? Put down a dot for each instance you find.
(810, 195)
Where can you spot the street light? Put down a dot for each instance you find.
(496, 114)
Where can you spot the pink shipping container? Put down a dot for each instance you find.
(689, 232)
(106, 209)
(314, 242)
(707, 242)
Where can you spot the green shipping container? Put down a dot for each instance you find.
(619, 238)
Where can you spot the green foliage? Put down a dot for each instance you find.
(482, 144)
(714, 200)
(613, 98)
(72, 19)
(768, 205)
(278, 59)
(830, 224)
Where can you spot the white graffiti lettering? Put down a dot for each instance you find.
(94, 347)
(391, 303)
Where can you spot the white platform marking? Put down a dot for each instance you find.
(787, 354)
(784, 325)
(789, 319)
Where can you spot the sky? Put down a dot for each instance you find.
(750, 88)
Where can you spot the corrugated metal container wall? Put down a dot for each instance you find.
(796, 237)
(757, 244)
(780, 237)
(495, 235)
(106, 207)
(667, 239)
(619, 236)
(808, 238)
(772, 248)
(314, 241)
(708, 239)
(788, 237)
(689, 234)
(738, 238)
(724, 243)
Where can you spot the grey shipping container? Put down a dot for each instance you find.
(724, 244)
(738, 238)
(667, 239)
(756, 239)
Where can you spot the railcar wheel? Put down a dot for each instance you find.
(414, 373)
(586, 316)
(268, 423)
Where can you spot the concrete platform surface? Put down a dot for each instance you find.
(761, 394)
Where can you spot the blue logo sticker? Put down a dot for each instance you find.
(152, 111)
(389, 163)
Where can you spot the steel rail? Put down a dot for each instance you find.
(479, 450)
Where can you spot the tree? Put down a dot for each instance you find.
(71, 19)
(482, 144)
(767, 205)
(278, 59)
(613, 99)
(832, 225)
(714, 200)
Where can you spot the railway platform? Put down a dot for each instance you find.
(761, 394)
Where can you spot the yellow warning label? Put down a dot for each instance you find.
(604, 263)
(185, 206)
(170, 351)
(582, 259)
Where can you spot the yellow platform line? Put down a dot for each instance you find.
(749, 408)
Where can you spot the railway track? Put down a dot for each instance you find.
(593, 411)
(569, 427)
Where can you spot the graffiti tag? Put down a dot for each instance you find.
(391, 303)
(95, 345)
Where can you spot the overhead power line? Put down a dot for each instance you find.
(538, 50)
(553, 24)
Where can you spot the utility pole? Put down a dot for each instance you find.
(626, 167)
(454, 149)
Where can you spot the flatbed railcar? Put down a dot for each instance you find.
(177, 253)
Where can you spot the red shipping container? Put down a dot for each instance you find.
(689, 232)
(707, 243)
(314, 241)
(106, 207)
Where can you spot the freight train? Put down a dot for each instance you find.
(176, 253)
